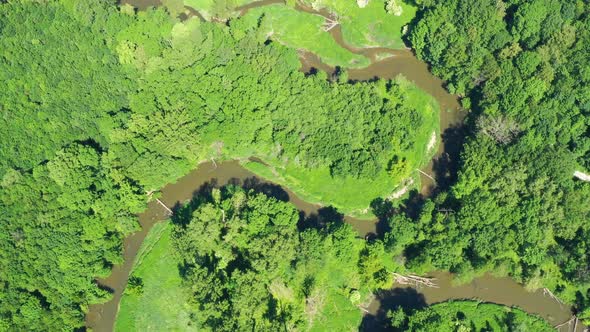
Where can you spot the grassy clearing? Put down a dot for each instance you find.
(476, 316)
(161, 306)
(349, 195)
(338, 314)
(371, 26)
(303, 31)
(419, 154)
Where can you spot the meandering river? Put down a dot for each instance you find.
(101, 317)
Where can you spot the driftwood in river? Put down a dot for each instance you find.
(414, 280)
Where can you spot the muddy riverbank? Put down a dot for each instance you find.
(500, 290)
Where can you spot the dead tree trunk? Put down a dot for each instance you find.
(582, 176)
(329, 24)
(568, 322)
(414, 280)
(364, 310)
(164, 206)
(547, 292)
(426, 174)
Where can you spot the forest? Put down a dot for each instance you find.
(103, 105)
(514, 206)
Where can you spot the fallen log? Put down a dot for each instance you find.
(568, 322)
(329, 24)
(164, 206)
(582, 176)
(427, 175)
(414, 280)
(547, 292)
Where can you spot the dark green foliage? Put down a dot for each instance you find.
(134, 285)
(516, 208)
(62, 225)
(100, 107)
(467, 316)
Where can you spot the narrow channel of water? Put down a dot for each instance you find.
(486, 288)
(101, 317)
(388, 64)
(498, 290)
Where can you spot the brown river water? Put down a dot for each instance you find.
(101, 317)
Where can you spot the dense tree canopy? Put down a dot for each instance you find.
(522, 67)
(247, 265)
(101, 105)
(62, 225)
(55, 89)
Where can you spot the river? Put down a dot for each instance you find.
(101, 317)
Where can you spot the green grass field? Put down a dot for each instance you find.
(303, 31)
(349, 195)
(475, 316)
(161, 306)
(214, 8)
(371, 26)
(365, 27)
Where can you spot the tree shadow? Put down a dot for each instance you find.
(446, 167)
(182, 212)
(267, 188)
(325, 216)
(406, 298)
(384, 210)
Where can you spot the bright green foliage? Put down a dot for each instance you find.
(359, 170)
(463, 316)
(247, 266)
(162, 303)
(201, 98)
(516, 209)
(371, 26)
(61, 225)
(58, 80)
(101, 106)
(217, 10)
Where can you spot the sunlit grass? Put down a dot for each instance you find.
(303, 31)
(371, 26)
(162, 305)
